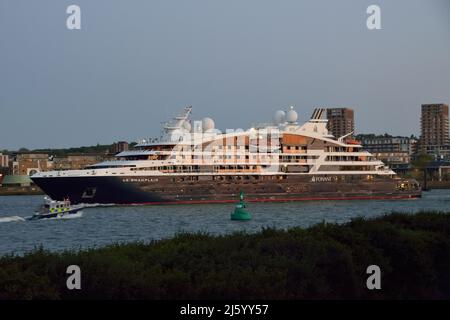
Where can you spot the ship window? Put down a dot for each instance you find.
(89, 192)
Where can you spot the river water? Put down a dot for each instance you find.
(99, 226)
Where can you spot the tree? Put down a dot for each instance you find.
(421, 163)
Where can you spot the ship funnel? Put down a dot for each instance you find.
(317, 114)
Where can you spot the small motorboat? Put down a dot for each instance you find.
(55, 209)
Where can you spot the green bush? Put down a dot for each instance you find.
(326, 261)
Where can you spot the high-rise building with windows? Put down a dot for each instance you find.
(341, 121)
(4, 160)
(434, 137)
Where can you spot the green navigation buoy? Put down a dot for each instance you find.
(240, 212)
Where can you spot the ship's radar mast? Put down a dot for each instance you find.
(178, 123)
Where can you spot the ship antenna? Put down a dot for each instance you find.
(341, 139)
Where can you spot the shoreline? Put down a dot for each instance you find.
(20, 191)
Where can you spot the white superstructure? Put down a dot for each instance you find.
(281, 147)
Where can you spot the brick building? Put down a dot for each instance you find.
(393, 151)
(76, 162)
(4, 160)
(434, 138)
(119, 147)
(27, 164)
(341, 121)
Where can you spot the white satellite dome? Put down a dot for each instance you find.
(187, 126)
(291, 115)
(207, 124)
(279, 117)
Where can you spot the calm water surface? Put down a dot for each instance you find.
(104, 225)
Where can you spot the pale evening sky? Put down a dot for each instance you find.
(135, 63)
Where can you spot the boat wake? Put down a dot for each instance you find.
(11, 219)
(97, 205)
(79, 214)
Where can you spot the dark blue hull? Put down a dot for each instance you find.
(212, 189)
(103, 190)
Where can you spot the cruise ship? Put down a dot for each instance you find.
(193, 162)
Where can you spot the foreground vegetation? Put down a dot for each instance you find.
(325, 261)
